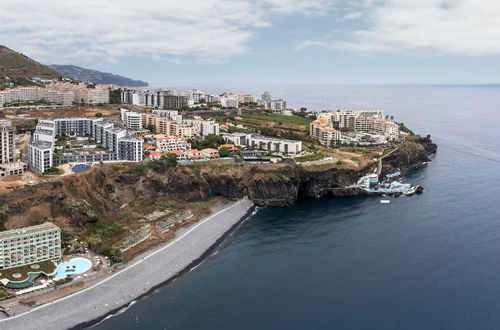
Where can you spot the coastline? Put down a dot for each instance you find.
(116, 291)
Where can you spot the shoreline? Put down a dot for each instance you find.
(188, 268)
(97, 302)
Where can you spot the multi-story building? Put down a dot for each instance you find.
(159, 125)
(175, 101)
(181, 129)
(19, 247)
(131, 119)
(264, 143)
(360, 121)
(276, 106)
(7, 142)
(91, 96)
(171, 143)
(266, 97)
(9, 159)
(229, 101)
(40, 155)
(172, 115)
(321, 131)
(204, 127)
(119, 145)
(130, 148)
(36, 94)
(275, 144)
(238, 139)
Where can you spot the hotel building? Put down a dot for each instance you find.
(264, 143)
(29, 245)
(120, 146)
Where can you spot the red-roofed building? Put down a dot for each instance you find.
(210, 153)
(155, 154)
(181, 155)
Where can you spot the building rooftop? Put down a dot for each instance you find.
(41, 144)
(27, 230)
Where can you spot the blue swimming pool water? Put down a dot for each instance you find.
(80, 168)
(72, 267)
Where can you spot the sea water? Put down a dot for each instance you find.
(430, 261)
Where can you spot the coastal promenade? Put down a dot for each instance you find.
(137, 278)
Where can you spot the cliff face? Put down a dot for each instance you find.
(81, 199)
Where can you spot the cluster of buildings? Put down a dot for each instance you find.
(9, 158)
(232, 100)
(264, 143)
(176, 100)
(158, 145)
(350, 126)
(60, 94)
(171, 123)
(92, 140)
(165, 98)
(276, 106)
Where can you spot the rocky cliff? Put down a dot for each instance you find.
(84, 198)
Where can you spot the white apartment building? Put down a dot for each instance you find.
(264, 143)
(40, 155)
(266, 97)
(131, 119)
(34, 94)
(377, 125)
(171, 143)
(130, 148)
(204, 127)
(275, 144)
(238, 139)
(25, 246)
(230, 101)
(115, 140)
(172, 115)
(277, 106)
(7, 142)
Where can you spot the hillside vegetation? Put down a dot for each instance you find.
(15, 65)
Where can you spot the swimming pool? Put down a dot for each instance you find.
(80, 168)
(73, 267)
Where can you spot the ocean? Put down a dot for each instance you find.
(430, 261)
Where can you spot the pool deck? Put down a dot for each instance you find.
(142, 274)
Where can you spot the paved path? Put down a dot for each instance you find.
(140, 275)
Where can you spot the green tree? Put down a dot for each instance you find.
(171, 159)
(98, 115)
(224, 152)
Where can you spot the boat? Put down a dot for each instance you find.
(385, 201)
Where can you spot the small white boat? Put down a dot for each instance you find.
(385, 201)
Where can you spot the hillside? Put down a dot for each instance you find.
(96, 77)
(16, 65)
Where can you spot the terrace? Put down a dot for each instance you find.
(24, 276)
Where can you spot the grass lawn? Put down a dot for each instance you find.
(309, 158)
(267, 117)
(47, 267)
(53, 171)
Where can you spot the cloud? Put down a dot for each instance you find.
(79, 31)
(460, 27)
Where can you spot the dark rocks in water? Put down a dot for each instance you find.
(419, 189)
(397, 194)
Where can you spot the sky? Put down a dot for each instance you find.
(188, 42)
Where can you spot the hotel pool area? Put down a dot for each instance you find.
(80, 168)
(73, 267)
